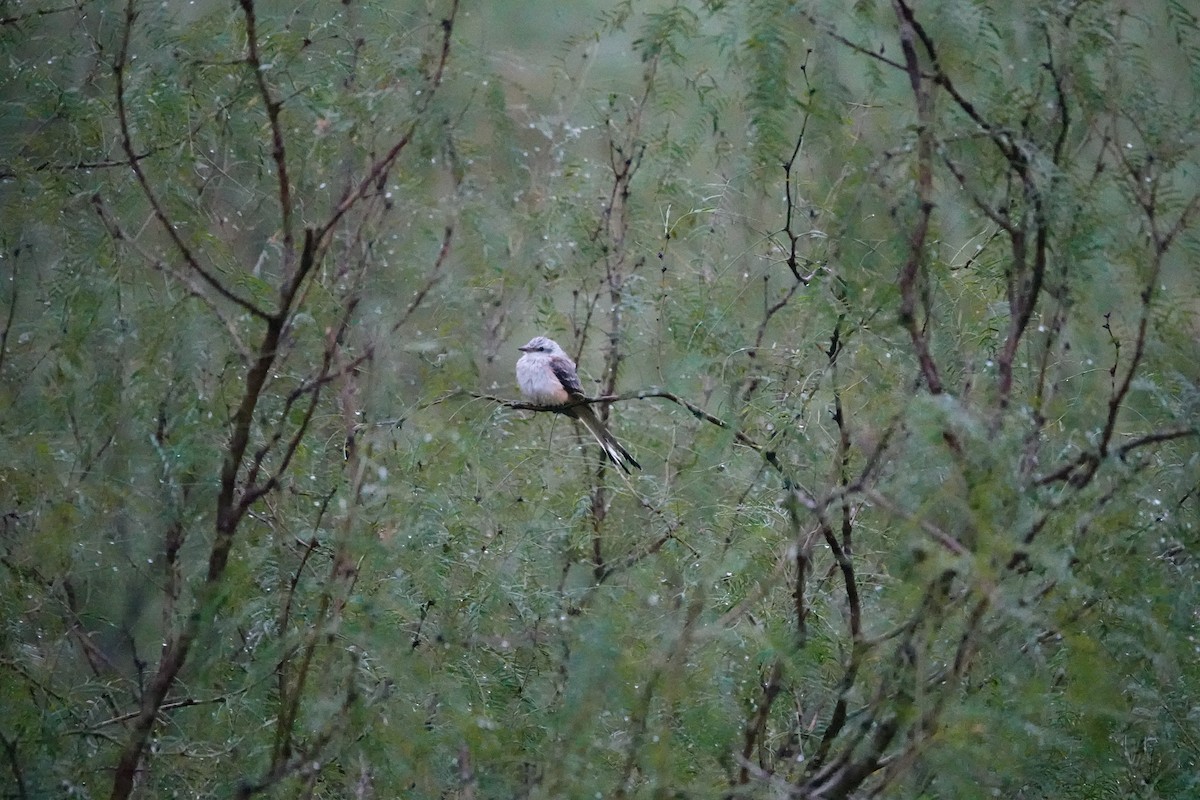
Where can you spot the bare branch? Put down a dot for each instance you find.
(16, 19)
(14, 764)
(135, 164)
(379, 170)
(169, 705)
(793, 259)
(278, 150)
(937, 534)
(118, 234)
(914, 266)
(756, 727)
(12, 314)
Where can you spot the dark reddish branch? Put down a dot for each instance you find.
(862, 754)
(54, 166)
(12, 313)
(837, 720)
(756, 727)
(305, 762)
(842, 557)
(625, 159)
(97, 659)
(229, 514)
(611, 230)
(820, 768)
(278, 150)
(314, 384)
(789, 194)
(874, 459)
(1027, 279)
(842, 549)
(175, 651)
(969, 639)
(14, 762)
(1082, 469)
(768, 313)
(230, 510)
(1027, 273)
(172, 660)
(803, 571)
(252, 488)
(1162, 241)
(913, 268)
(790, 204)
(232, 507)
(941, 688)
(640, 555)
(14, 19)
(1060, 93)
(839, 417)
(1024, 287)
(290, 696)
(135, 164)
(853, 771)
(379, 170)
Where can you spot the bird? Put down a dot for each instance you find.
(548, 378)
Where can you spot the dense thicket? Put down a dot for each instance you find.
(898, 304)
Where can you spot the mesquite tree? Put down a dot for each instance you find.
(896, 304)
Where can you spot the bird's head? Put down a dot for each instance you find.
(541, 344)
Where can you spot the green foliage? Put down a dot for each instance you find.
(899, 304)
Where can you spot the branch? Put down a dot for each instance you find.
(10, 747)
(916, 256)
(12, 313)
(305, 762)
(253, 492)
(762, 588)
(1162, 242)
(170, 705)
(1089, 460)
(843, 549)
(135, 164)
(378, 171)
(8, 173)
(118, 234)
(937, 534)
(1025, 285)
(873, 461)
(278, 152)
(756, 727)
(789, 195)
(1155, 438)
(875, 53)
(644, 394)
(14, 19)
(351, 366)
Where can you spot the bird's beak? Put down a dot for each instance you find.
(524, 348)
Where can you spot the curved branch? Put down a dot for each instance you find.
(135, 164)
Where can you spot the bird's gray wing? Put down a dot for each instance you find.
(564, 370)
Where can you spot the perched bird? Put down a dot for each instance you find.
(547, 377)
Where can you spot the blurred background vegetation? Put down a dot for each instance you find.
(900, 301)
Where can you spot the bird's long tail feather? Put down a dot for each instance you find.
(608, 443)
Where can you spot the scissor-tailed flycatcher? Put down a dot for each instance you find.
(547, 377)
